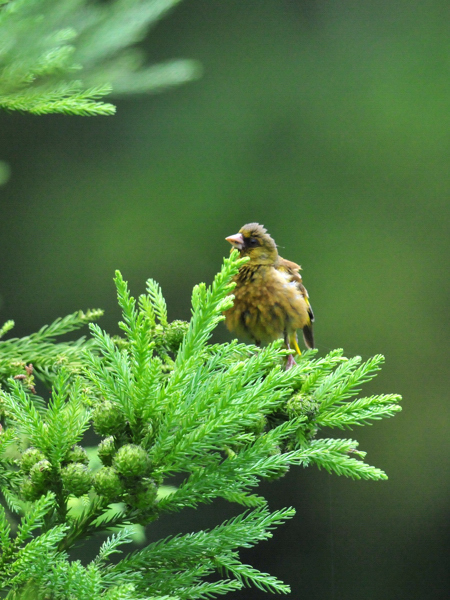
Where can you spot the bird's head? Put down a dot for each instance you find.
(254, 241)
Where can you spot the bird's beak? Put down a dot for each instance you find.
(236, 240)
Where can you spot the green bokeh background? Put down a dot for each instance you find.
(329, 122)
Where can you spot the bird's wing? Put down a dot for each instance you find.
(292, 270)
(288, 266)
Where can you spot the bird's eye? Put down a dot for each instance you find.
(252, 242)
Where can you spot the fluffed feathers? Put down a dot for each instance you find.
(271, 301)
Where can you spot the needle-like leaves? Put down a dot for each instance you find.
(165, 401)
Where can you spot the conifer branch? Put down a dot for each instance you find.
(41, 350)
(64, 56)
(163, 400)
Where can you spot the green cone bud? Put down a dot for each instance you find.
(76, 478)
(106, 451)
(302, 404)
(107, 483)
(40, 474)
(28, 491)
(29, 458)
(144, 496)
(77, 454)
(175, 333)
(107, 418)
(131, 461)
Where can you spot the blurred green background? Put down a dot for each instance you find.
(329, 123)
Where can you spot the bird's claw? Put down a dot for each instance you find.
(290, 362)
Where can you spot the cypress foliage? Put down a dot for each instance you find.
(65, 56)
(163, 400)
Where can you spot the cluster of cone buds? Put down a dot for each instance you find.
(125, 475)
(41, 476)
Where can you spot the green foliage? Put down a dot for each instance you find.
(40, 350)
(64, 56)
(164, 400)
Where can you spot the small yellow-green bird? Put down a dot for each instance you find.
(270, 301)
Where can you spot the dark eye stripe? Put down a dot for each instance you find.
(251, 242)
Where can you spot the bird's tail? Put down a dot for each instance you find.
(308, 335)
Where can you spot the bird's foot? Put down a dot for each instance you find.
(290, 362)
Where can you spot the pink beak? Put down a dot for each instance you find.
(236, 240)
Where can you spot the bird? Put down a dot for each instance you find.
(270, 300)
